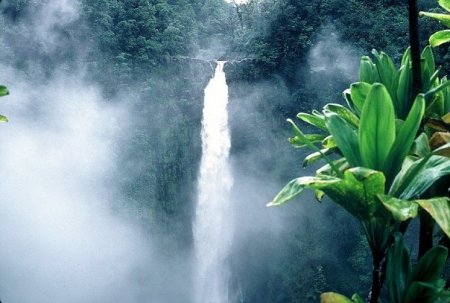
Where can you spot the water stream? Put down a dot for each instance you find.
(212, 230)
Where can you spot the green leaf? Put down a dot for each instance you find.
(437, 89)
(404, 91)
(356, 191)
(311, 158)
(428, 59)
(417, 176)
(406, 59)
(445, 4)
(377, 128)
(296, 186)
(346, 138)
(439, 209)
(424, 292)
(357, 299)
(401, 210)
(439, 38)
(301, 139)
(405, 139)
(3, 118)
(332, 297)
(342, 112)
(367, 71)
(315, 120)
(358, 93)
(430, 266)
(442, 18)
(3, 91)
(387, 72)
(397, 269)
(421, 146)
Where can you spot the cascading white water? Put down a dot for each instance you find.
(212, 233)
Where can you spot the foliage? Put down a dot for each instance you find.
(442, 36)
(373, 177)
(419, 283)
(3, 92)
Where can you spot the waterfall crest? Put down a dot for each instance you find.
(212, 230)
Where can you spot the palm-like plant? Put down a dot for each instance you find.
(382, 167)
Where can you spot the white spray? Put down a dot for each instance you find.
(212, 233)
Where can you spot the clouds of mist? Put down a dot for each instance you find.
(60, 240)
(330, 55)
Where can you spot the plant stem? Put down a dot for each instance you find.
(415, 46)
(377, 272)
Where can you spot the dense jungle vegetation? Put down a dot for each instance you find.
(284, 56)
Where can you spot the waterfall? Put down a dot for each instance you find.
(212, 233)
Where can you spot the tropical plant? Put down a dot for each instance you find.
(377, 167)
(442, 36)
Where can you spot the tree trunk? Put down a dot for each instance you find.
(415, 47)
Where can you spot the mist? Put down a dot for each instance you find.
(63, 239)
(78, 219)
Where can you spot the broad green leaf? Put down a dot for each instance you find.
(377, 128)
(3, 118)
(406, 56)
(397, 269)
(405, 139)
(424, 292)
(417, 176)
(401, 210)
(356, 191)
(3, 91)
(332, 297)
(387, 72)
(346, 138)
(367, 70)
(421, 146)
(442, 18)
(404, 91)
(316, 120)
(358, 93)
(430, 266)
(428, 57)
(425, 75)
(348, 98)
(439, 38)
(445, 4)
(439, 209)
(342, 112)
(296, 186)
